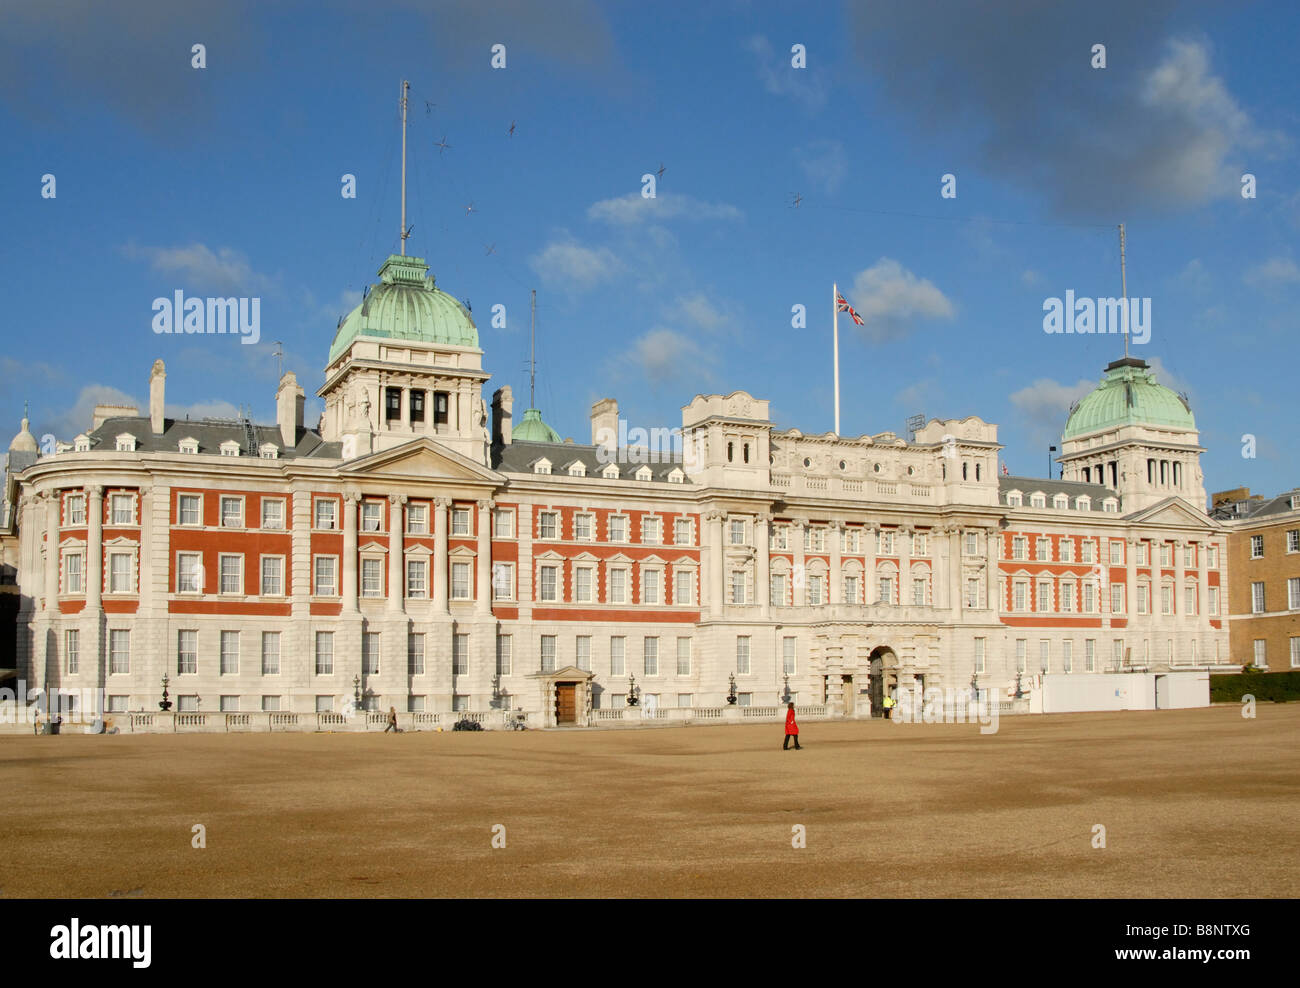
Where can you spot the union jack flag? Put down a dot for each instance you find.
(845, 307)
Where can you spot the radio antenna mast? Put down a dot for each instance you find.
(532, 353)
(405, 233)
(1123, 280)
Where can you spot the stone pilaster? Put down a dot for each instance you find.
(441, 574)
(483, 595)
(396, 603)
(349, 561)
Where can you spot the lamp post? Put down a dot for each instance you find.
(731, 692)
(356, 692)
(164, 704)
(785, 695)
(633, 692)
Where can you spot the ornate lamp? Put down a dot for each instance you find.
(356, 692)
(731, 692)
(633, 691)
(785, 695)
(1019, 692)
(164, 704)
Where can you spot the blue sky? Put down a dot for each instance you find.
(227, 180)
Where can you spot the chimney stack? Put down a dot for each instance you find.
(157, 383)
(289, 402)
(502, 406)
(604, 425)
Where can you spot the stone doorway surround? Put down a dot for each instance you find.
(547, 683)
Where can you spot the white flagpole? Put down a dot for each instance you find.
(835, 306)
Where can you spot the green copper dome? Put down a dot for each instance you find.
(1128, 395)
(406, 306)
(533, 429)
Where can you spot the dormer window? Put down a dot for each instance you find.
(676, 476)
(644, 473)
(1014, 499)
(1083, 503)
(1038, 500)
(610, 472)
(188, 445)
(230, 448)
(1060, 502)
(126, 443)
(81, 444)
(268, 451)
(542, 466)
(1110, 504)
(577, 469)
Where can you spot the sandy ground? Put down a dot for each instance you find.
(1194, 803)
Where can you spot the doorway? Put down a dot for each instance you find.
(850, 696)
(566, 703)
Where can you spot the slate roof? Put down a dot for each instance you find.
(1071, 488)
(519, 457)
(210, 433)
(1260, 508)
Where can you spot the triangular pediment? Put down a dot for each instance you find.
(421, 459)
(568, 673)
(1173, 511)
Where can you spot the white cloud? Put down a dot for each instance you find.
(77, 419)
(632, 208)
(199, 267)
(700, 310)
(1274, 271)
(890, 299)
(1030, 278)
(575, 267)
(780, 78)
(825, 163)
(1046, 402)
(665, 355)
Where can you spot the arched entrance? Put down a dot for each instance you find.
(883, 677)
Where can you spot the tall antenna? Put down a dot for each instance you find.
(1123, 280)
(405, 87)
(279, 357)
(532, 354)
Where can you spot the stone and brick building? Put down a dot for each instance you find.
(423, 549)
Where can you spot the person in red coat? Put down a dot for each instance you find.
(791, 730)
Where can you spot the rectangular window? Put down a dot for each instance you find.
(1022, 654)
(1116, 553)
(72, 651)
(372, 578)
(682, 531)
(505, 650)
(324, 704)
(415, 654)
(850, 589)
(789, 655)
(1090, 655)
(1043, 549)
(1020, 592)
(76, 510)
(232, 512)
(119, 652)
(230, 653)
(1044, 654)
(1117, 653)
(1085, 551)
(617, 656)
(1261, 653)
(548, 583)
(121, 509)
(547, 525)
(650, 581)
(582, 652)
(918, 593)
(777, 590)
(372, 516)
(918, 544)
(272, 576)
(886, 595)
(738, 587)
(973, 593)
(1166, 600)
(270, 704)
(980, 647)
(685, 699)
(682, 579)
(1293, 593)
(884, 543)
(1189, 559)
(617, 528)
(1166, 557)
(72, 573)
(326, 513)
(460, 522)
(683, 656)
(618, 586)
(460, 655)
(503, 524)
(1144, 553)
(1067, 655)
(1117, 598)
(190, 509)
(742, 655)
(370, 653)
(503, 581)
(1089, 598)
(270, 653)
(970, 545)
(460, 581)
(1065, 550)
(814, 590)
(187, 652)
(324, 653)
(652, 530)
(119, 572)
(548, 653)
(1257, 547)
(229, 704)
(1019, 547)
(1143, 598)
(272, 514)
(1044, 601)
(417, 519)
(1189, 600)
(1293, 540)
(1256, 598)
(1067, 598)
(1295, 653)
(325, 584)
(1214, 601)
(583, 527)
(651, 655)
(417, 578)
(737, 531)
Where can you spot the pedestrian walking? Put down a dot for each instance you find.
(791, 729)
(392, 721)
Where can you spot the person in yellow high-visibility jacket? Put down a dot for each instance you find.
(888, 704)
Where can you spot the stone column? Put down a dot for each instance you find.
(956, 571)
(905, 565)
(799, 572)
(991, 569)
(95, 548)
(439, 576)
(870, 531)
(836, 583)
(763, 564)
(483, 599)
(1178, 607)
(715, 582)
(1130, 575)
(396, 528)
(1203, 587)
(51, 588)
(349, 562)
